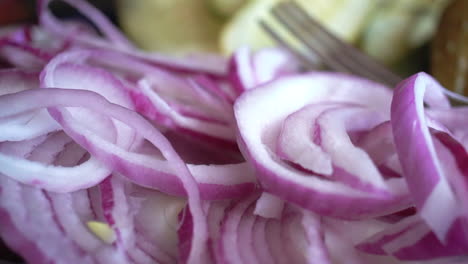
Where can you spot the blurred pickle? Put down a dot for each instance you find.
(171, 26)
(345, 18)
(449, 59)
(392, 31)
(225, 8)
(398, 27)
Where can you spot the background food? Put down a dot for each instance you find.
(393, 32)
(450, 48)
(366, 30)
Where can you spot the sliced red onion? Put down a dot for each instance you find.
(160, 95)
(333, 125)
(104, 25)
(39, 212)
(453, 120)
(299, 141)
(105, 84)
(23, 56)
(230, 232)
(274, 63)
(245, 231)
(98, 183)
(18, 242)
(249, 69)
(16, 80)
(95, 103)
(145, 170)
(378, 143)
(54, 178)
(427, 179)
(274, 241)
(241, 70)
(219, 89)
(116, 41)
(168, 83)
(28, 125)
(412, 239)
(260, 114)
(260, 245)
(157, 109)
(316, 251)
(65, 216)
(67, 71)
(238, 235)
(121, 215)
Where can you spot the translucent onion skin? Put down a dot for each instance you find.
(109, 154)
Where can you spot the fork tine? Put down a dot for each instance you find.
(312, 33)
(305, 59)
(316, 34)
(356, 56)
(300, 33)
(335, 53)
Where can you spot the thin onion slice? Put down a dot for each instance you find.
(427, 180)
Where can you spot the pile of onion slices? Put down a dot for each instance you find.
(109, 154)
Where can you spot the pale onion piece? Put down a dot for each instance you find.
(334, 124)
(157, 220)
(299, 141)
(102, 230)
(269, 206)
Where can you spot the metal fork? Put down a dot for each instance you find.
(333, 52)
